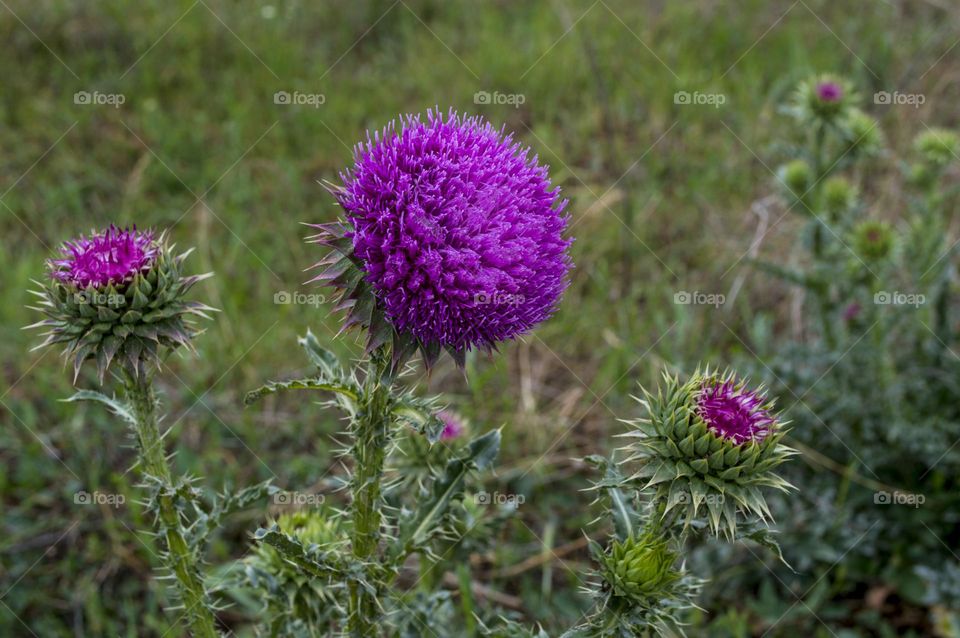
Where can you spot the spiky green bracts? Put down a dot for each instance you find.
(708, 446)
(118, 296)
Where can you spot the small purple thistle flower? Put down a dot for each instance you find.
(113, 256)
(734, 412)
(851, 312)
(458, 230)
(829, 92)
(452, 425)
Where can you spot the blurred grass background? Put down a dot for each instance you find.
(660, 192)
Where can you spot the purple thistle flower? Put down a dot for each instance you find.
(734, 412)
(851, 312)
(457, 229)
(113, 256)
(829, 92)
(452, 425)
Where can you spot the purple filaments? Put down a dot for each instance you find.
(113, 256)
(458, 230)
(829, 92)
(734, 412)
(452, 425)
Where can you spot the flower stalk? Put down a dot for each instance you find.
(177, 556)
(372, 431)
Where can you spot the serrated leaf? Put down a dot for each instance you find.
(344, 389)
(417, 529)
(116, 406)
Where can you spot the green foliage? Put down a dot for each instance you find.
(873, 384)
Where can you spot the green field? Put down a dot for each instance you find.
(665, 197)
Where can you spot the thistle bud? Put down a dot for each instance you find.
(873, 240)
(118, 295)
(824, 98)
(708, 445)
(641, 568)
(839, 196)
(797, 176)
(937, 146)
(861, 133)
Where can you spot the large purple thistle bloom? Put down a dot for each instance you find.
(113, 256)
(732, 411)
(458, 230)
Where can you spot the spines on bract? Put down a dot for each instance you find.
(128, 322)
(696, 469)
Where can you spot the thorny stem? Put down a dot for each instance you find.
(177, 555)
(371, 432)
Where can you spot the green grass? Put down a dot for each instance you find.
(660, 197)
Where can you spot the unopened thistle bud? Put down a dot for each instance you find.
(709, 445)
(797, 176)
(873, 240)
(823, 98)
(641, 568)
(839, 196)
(937, 146)
(118, 295)
(862, 133)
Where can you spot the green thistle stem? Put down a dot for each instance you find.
(178, 556)
(371, 431)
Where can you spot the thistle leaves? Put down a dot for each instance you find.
(330, 377)
(116, 406)
(418, 527)
(348, 391)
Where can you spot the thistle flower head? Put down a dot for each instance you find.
(873, 239)
(454, 232)
(829, 91)
(822, 98)
(112, 256)
(707, 445)
(453, 426)
(118, 295)
(732, 411)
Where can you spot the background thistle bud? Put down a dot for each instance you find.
(839, 196)
(937, 146)
(797, 176)
(861, 133)
(118, 295)
(708, 446)
(641, 568)
(825, 98)
(873, 240)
